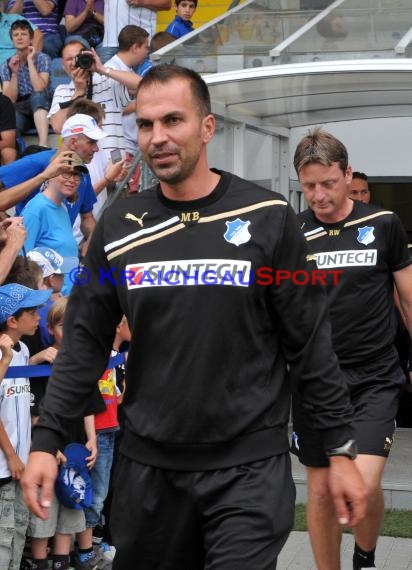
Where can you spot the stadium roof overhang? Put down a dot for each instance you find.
(284, 96)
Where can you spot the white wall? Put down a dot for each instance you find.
(251, 154)
(259, 154)
(378, 147)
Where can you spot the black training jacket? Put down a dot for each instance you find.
(207, 385)
(366, 247)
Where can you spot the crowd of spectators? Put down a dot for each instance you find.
(60, 59)
(40, 36)
(32, 308)
(40, 71)
(56, 195)
(49, 202)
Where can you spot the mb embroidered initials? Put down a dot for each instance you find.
(186, 217)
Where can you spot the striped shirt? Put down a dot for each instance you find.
(112, 96)
(128, 121)
(47, 24)
(118, 14)
(15, 411)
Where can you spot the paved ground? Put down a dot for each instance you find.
(391, 554)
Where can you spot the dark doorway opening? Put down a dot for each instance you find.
(394, 194)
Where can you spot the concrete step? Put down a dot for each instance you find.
(32, 139)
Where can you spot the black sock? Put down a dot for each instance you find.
(61, 561)
(85, 550)
(84, 554)
(40, 564)
(363, 558)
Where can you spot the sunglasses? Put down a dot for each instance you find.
(67, 175)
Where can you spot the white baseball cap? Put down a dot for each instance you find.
(52, 262)
(80, 124)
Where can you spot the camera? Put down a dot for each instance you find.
(84, 59)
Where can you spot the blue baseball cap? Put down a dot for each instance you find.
(52, 262)
(14, 297)
(73, 484)
(77, 38)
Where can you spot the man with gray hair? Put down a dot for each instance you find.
(369, 247)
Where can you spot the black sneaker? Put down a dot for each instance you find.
(98, 534)
(25, 564)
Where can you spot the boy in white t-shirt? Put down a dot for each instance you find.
(18, 317)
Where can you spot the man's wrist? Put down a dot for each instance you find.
(9, 453)
(43, 176)
(348, 449)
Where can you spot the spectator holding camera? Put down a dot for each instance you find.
(103, 175)
(22, 179)
(112, 88)
(25, 78)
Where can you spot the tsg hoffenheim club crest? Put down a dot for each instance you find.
(237, 232)
(365, 235)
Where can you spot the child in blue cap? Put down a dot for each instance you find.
(18, 317)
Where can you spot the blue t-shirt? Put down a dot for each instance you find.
(179, 27)
(49, 225)
(31, 165)
(144, 67)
